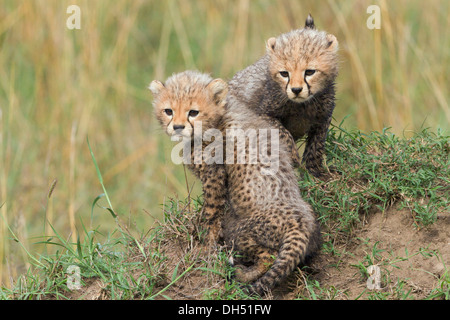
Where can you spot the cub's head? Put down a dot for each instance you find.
(303, 62)
(188, 97)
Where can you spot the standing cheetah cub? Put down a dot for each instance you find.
(294, 83)
(267, 223)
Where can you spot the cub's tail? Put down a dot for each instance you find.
(297, 246)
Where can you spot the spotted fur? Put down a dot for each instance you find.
(294, 83)
(269, 225)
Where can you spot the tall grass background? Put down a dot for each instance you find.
(59, 87)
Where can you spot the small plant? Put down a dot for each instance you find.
(310, 289)
(442, 289)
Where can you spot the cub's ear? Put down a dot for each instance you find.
(219, 90)
(156, 87)
(309, 24)
(270, 44)
(332, 44)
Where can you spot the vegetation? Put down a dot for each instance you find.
(373, 171)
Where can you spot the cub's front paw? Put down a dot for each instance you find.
(213, 235)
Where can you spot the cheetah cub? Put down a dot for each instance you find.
(267, 223)
(295, 84)
(186, 99)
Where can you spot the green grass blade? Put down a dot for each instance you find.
(100, 178)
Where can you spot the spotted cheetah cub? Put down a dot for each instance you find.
(184, 100)
(295, 84)
(266, 216)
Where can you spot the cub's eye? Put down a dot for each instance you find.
(168, 112)
(284, 74)
(193, 113)
(309, 72)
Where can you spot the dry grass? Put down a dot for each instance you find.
(59, 86)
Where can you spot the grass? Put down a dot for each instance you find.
(124, 267)
(375, 170)
(170, 261)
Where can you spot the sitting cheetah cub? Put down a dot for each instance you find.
(184, 99)
(266, 217)
(295, 84)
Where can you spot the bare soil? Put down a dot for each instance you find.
(417, 257)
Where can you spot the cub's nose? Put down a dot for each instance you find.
(296, 90)
(178, 127)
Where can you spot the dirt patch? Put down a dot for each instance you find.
(92, 289)
(190, 271)
(410, 260)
